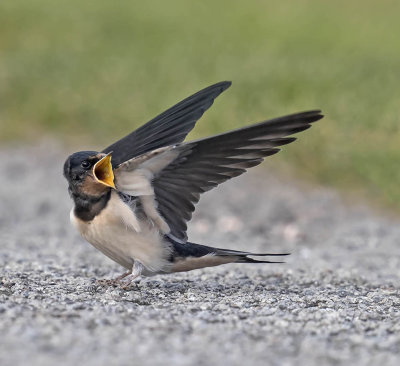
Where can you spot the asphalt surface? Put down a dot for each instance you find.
(335, 302)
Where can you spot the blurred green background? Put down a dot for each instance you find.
(90, 71)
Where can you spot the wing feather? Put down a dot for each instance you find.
(203, 164)
(168, 128)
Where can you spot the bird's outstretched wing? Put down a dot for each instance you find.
(180, 173)
(168, 128)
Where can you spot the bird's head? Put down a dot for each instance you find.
(89, 173)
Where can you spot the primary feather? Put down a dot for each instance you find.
(202, 165)
(168, 128)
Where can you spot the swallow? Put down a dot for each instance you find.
(133, 199)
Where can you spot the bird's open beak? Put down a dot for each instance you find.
(103, 172)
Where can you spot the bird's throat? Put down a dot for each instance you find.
(88, 207)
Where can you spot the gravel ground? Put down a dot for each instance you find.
(335, 302)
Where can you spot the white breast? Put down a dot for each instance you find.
(118, 234)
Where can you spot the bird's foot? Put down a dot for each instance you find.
(133, 277)
(126, 279)
(129, 281)
(115, 281)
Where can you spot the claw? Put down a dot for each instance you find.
(115, 281)
(105, 282)
(126, 279)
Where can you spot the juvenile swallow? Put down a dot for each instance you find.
(133, 199)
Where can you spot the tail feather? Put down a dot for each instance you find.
(243, 257)
(198, 251)
(219, 251)
(251, 260)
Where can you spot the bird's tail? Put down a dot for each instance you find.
(244, 257)
(190, 256)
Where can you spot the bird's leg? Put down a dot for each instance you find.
(119, 278)
(137, 269)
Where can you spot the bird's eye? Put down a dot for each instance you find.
(85, 164)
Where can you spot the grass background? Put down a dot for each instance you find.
(90, 71)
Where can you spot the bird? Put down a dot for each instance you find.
(133, 199)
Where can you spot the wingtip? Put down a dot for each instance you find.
(224, 85)
(318, 115)
(311, 116)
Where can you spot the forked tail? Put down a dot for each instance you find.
(188, 256)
